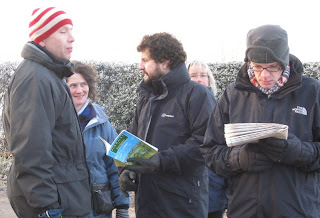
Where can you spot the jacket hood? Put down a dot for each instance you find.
(296, 69)
(35, 52)
(100, 114)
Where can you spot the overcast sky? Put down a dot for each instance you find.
(210, 30)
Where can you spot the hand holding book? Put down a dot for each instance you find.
(141, 165)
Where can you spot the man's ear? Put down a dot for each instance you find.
(165, 65)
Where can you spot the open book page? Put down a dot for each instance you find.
(243, 133)
(108, 146)
(126, 145)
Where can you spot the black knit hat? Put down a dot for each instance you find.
(267, 44)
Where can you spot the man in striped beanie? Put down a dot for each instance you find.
(49, 176)
(46, 25)
(46, 21)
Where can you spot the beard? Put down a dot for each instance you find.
(154, 75)
(146, 79)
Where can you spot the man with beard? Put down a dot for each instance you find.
(171, 114)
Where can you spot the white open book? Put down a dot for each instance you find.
(243, 133)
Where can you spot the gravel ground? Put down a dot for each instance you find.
(5, 207)
(7, 212)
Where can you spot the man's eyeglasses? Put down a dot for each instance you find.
(259, 69)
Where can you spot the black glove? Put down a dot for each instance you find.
(274, 148)
(127, 182)
(141, 165)
(285, 151)
(248, 158)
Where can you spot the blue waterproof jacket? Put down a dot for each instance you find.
(102, 168)
(217, 189)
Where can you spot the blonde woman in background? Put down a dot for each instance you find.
(201, 73)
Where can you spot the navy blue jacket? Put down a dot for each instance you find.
(217, 192)
(217, 189)
(172, 115)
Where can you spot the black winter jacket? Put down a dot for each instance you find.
(285, 190)
(44, 136)
(172, 115)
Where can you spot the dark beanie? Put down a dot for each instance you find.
(267, 44)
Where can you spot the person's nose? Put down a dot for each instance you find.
(71, 38)
(78, 89)
(265, 72)
(199, 79)
(141, 66)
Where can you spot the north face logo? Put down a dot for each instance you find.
(300, 110)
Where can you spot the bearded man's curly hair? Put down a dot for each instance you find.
(162, 47)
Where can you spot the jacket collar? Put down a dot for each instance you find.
(177, 76)
(35, 52)
(160, 87)
(296, 69)
(100, 116)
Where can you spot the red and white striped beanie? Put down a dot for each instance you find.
(45, 21)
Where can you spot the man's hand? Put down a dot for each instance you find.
(274, 148)
(249, 159)
(141, 165)
(281, 150)
(127, 181)
(253, 161)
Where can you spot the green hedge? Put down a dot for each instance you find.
(118, 83)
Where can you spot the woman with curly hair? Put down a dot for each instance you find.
(94, 123)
